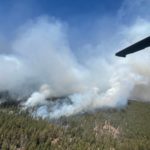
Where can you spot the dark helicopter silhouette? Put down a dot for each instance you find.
(134, 48)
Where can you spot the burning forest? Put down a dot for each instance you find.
(42, 67)
(58, 68)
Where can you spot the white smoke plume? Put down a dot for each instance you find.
(43, 63)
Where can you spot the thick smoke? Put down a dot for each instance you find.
(42, 64)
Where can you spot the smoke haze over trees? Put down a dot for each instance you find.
(46, 56)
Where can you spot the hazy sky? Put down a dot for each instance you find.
(83, 17)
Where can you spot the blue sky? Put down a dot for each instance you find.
(15, 12)
(59, 8)
(84, 17)
(75, 12)
(70, 8)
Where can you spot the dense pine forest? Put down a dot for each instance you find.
(124, 129)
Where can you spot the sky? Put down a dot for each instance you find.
(85, 21)
(60, 8)
(15, 12)
(79, 15)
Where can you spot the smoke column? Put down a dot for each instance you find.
(43, 65)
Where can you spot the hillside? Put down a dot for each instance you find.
(125, 129)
